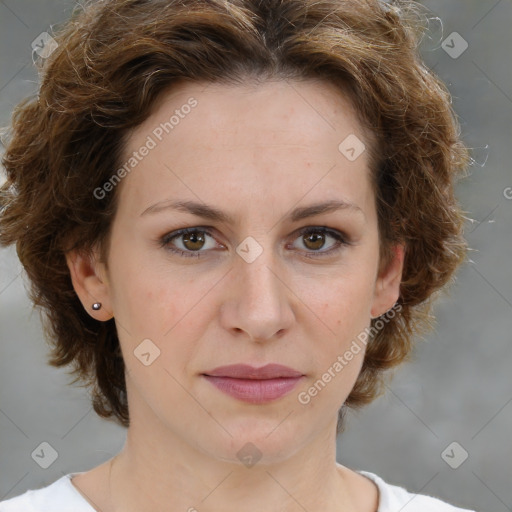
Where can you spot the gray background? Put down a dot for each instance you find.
(457, 389)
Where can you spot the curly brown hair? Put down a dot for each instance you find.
(116, 57)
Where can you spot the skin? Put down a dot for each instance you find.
(255, 152)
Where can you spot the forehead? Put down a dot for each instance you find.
(283, 104)
(244, 137)
(233, 113)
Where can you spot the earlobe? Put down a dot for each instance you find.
(90, 282)
(387, 286)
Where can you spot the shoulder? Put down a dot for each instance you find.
(394, 499)
(60, 496)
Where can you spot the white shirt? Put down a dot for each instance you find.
(63, 496)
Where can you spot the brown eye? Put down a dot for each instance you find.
(193, 241)
(314, 239)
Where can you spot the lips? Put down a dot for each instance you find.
(244, 371)
(254, 385)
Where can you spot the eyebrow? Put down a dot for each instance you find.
(214, 214)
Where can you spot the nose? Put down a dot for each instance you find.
(260, 306)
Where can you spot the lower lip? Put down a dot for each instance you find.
(252, 390)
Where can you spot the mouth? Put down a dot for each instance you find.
(254, 385)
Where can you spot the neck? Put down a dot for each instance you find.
(152, 474)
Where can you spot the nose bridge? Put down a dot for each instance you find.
(258, 274)
(260, 308)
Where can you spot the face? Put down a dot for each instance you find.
(265, 280)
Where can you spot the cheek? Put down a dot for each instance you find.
(155, 322)
(144, 307)
(345, 309)
(167, 309)
(341, 356)
(347, 300)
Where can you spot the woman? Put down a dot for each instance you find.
(234, 215)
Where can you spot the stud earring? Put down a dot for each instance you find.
(96, 306)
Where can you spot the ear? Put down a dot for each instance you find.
(89, 278)
(387, 285)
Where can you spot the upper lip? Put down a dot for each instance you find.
(244, 371)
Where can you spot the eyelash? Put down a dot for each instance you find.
(339, 237)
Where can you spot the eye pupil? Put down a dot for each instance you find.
(315, 239)
(193, 238)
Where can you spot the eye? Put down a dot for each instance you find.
(193, 240)
(313, 237)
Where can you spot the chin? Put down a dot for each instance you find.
(264, 441)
